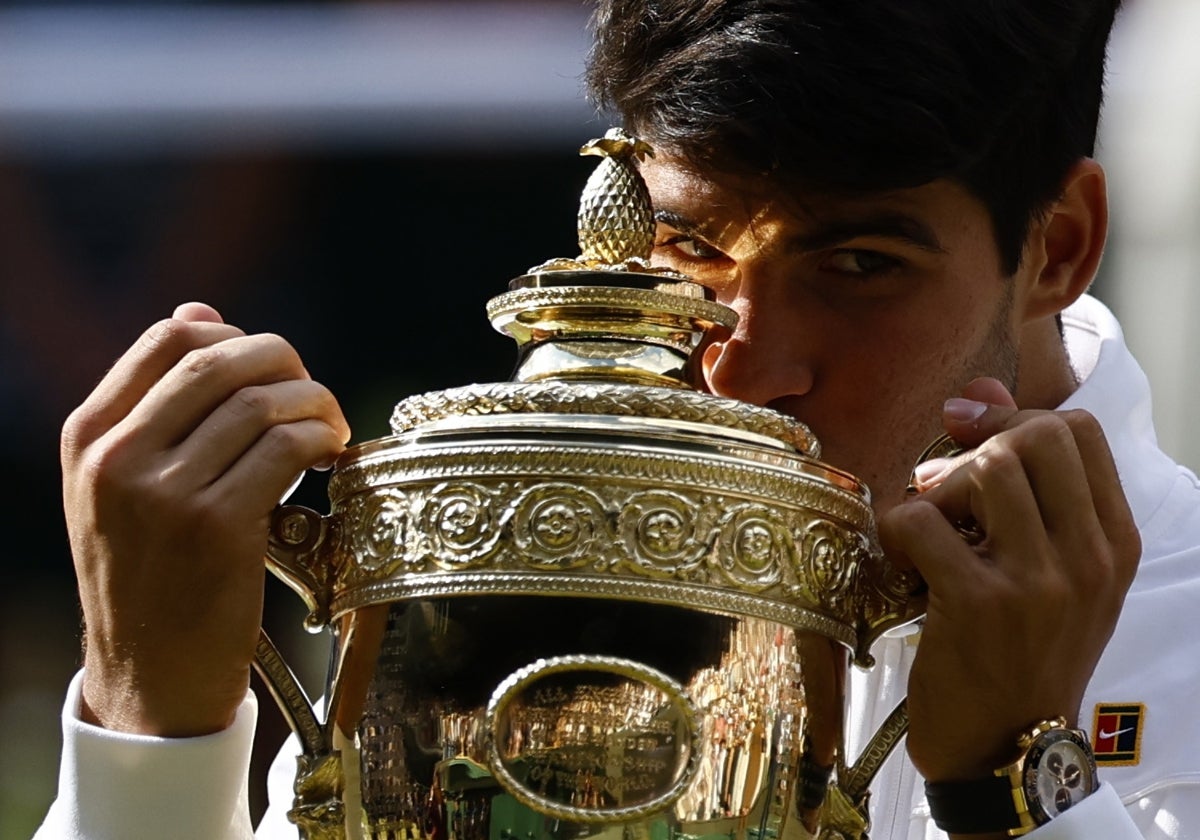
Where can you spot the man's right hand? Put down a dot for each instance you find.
(171, 469)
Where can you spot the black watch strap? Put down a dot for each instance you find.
(814, 783)
(979, 806)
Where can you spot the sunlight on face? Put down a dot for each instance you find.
(859, 317)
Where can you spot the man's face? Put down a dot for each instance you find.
(858, 317)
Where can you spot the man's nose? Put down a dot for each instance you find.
(765, 359)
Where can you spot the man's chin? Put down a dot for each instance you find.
(886, 482)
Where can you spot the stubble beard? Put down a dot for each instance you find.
(998, 357)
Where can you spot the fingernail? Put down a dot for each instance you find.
(926, 471)
(964, 410)
(292, 489)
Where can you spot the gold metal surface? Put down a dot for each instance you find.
(624, 513)
(616, 222)
(605, 332)
(616, 219)
(319, 812)
(705, 715)
(590, 602)
(619, 745)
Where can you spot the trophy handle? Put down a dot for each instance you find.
(855, 781)
(293, 555)
(846, 814)
(292, 549)
(289, 696)
(317, 810)
(888, 597)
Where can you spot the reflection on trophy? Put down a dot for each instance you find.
(591, 601)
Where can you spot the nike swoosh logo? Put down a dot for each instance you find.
(1104, 736)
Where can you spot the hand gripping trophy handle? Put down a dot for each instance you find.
(590, 600)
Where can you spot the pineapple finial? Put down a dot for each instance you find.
(616, 221)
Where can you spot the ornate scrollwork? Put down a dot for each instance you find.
(377, 544)
(885, 597)
(664, 533)
(458, 525)
(559, 526)
(605, 399)
(754, 547)
(564, 516)
(318, 811)
(832, 556)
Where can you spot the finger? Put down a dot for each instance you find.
(202, 381)
(196, 311)
(1095, 457)
(985, 408)
(1047, 522)
(1111, 506)
(155, 353)
(916, 534)
(225, 435)
(985, 389)
(1046, 447)
(261, 475)
(971, 422)
(929, 473)
(994, 489)
(1071, 455)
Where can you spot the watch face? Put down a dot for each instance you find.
(1059, 772)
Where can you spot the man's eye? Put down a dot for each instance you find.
(690, 247)
(850, 261)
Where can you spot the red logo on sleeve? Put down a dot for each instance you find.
(1117, 733)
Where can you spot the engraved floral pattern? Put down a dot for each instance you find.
(559, 526)
(754, 544)
(660, 531)
(828, 562)
(458, 527)
(555, 526)
(378, 541)
(517, 515)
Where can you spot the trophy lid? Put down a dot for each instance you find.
(606, 333)
(599, 470)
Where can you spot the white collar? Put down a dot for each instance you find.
(1116, 392)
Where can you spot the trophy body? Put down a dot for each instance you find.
(591, 601)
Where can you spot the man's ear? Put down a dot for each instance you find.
(1067, 241)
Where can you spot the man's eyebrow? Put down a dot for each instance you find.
(829, 233)
(681, 223)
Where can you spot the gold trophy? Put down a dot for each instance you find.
(591, 601)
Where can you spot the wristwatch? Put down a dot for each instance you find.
(1054, 770)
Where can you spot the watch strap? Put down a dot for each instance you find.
(978, 806)
(813, 783)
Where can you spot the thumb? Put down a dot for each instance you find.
(988, 390)
(196, 311)
(984, 409)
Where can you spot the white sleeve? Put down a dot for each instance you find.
(117, 786)
(281, 778)
(1099, 815)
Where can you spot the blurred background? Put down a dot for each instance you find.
(361, 177)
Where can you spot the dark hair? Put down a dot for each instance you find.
(845, 96)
